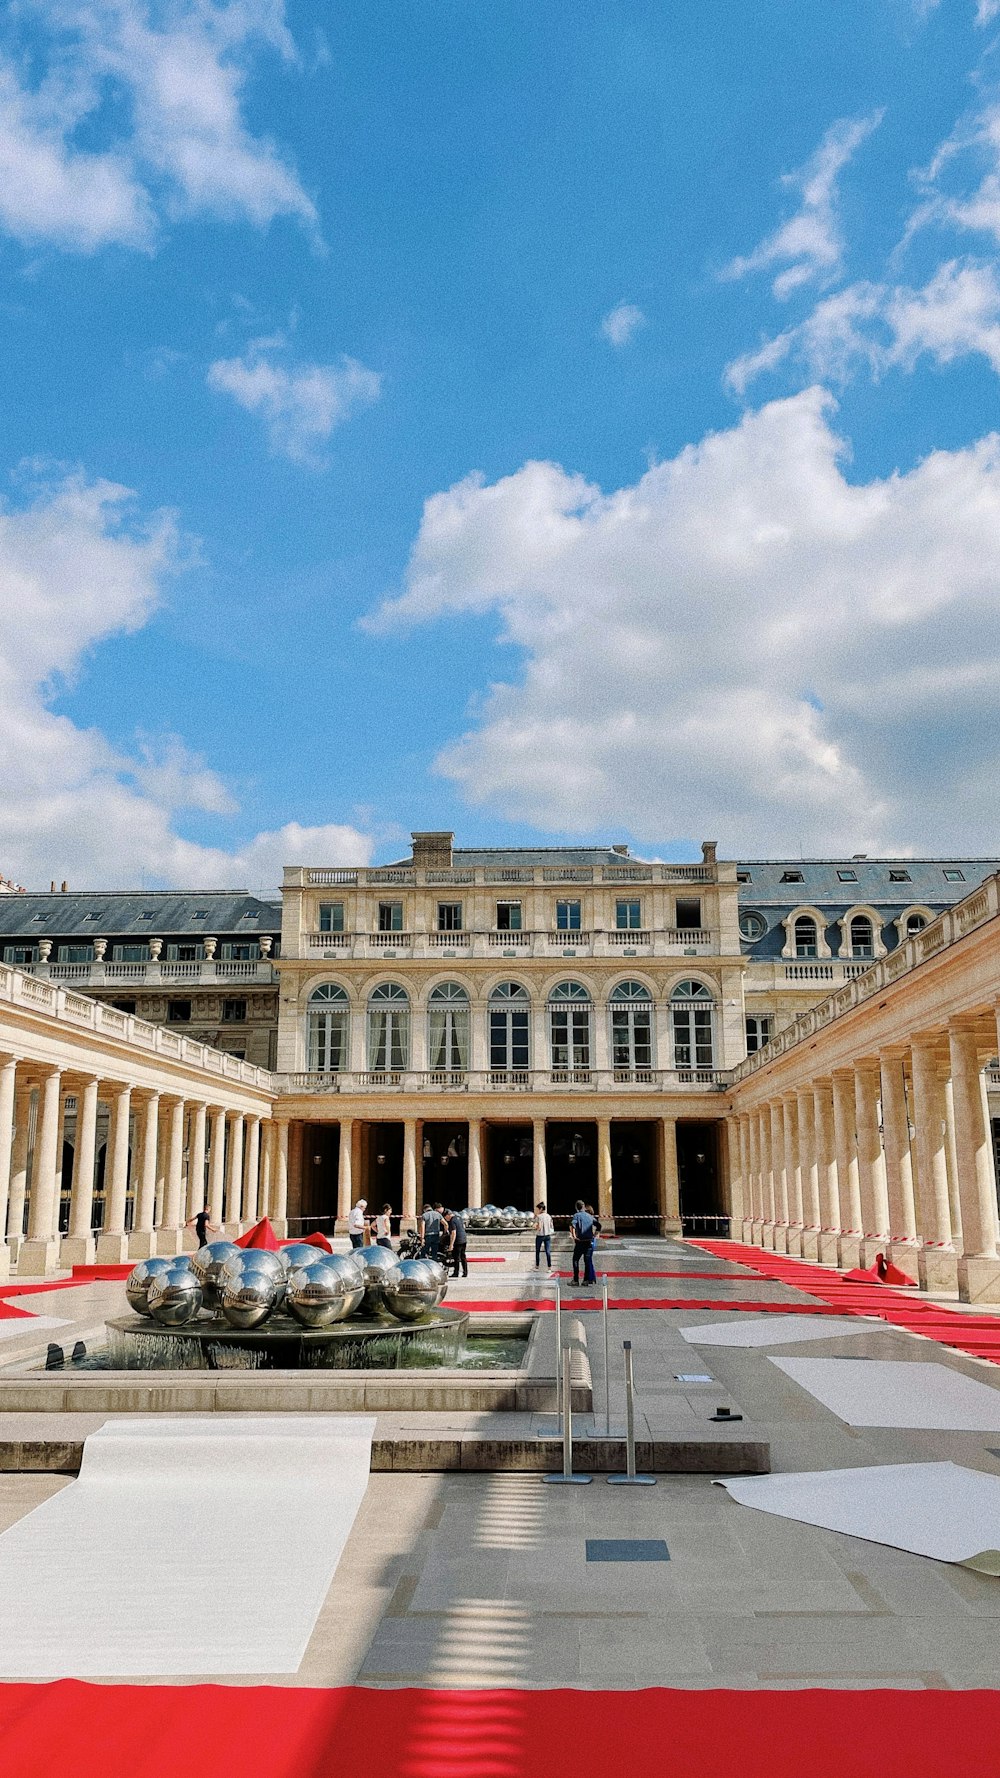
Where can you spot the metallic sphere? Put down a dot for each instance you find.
(174, 1297)
(207, 1265)
(439, 1271)
(250, 1298)
(301, 1253)
(254, 1262)
(415, 1292)
(139, 1280)
(381, 1268)
(319, 1295)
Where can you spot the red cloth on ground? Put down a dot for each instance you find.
(261, 1235)
(313, 1240)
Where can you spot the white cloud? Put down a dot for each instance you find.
(174, 74)
(986, 11)
(810, 245)
(301, 404)
(621, 324)
(743, 643)
(74, 570)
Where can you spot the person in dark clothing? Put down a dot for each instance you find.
(201, 1225)
(582, 1230)
(589, 1275)
(429, 1229)
(457, 1245)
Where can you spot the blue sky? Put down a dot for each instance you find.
(320, 287)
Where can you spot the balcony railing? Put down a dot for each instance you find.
(372, 876)
(481, 942)
(506, 1080)
(208, 972)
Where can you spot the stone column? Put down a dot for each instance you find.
(871, 1164)
(849, 1190)
(793, 1171)
(475, 1193)
(539, 1182)
(234, 1176)
(670, 1185)
(40, 1252)
(898, 1161)
(169, 1235)
(409, 1219)
(808, 1172)
(251, 1171)
(979, 1265)
(826, 1156)
(112, 1242)
(746, 1175)
(737, 1175)
(60, 1150)
(8, 1084)
(279, 1200)
(951, 1157)
(79, 1247)
(217, 1166)
(766, 1177)
(266, 1167)
(605, 1198)
(19, 1167)
(756, 1185)
(142, 1241)
(345, 1176)
(937, 1261)
(779, 1170)
(196, 1164)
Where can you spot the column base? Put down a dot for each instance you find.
(168, 1242)
(871, 1247)
(794, 1244)
(280, 1227)
(38, 1257)
(905, 1255)
(671, 1225)
(979, 1280)
(809, 1244)
(780, 1240)
(828, 1247)
(112, 1250)
(746, 1232)
(848, 1252)
(756, 1233)
(5, 1260)
(77, 1250)
(141, 1244)
(767, 1236)
(937, 1270)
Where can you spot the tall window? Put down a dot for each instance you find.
(509, 1008)
(329, 1027)
(862, 944)
(805, 936)
(331, 916)
(390, 916)
(20, 954)
(130, 953)
(687, 913)
(388, 1028)
(569, 1025)
(76, 953)
(188, 953)
(508, 916)
(631, 1027)
(449, 916)
(567, 916)
(691, 1006)
(448, 1028)
(628, 915)
(243, 950)
(758, 1031)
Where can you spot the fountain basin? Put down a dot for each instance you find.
(373, 1342)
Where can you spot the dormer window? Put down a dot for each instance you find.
(899, 876)
(847, 876)
(954, 876)
(791, 876)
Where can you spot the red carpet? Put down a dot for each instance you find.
(115, 1731)
(8, 1312)
(88, 1274)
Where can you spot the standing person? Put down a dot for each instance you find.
(544, 1227)
(201, 1225)
(582, 1229)
(589, 1275)
(457, 1244)
(429, 1229)
(356, 1223)
(383, 1227)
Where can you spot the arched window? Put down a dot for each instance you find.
(691, 1006)
(569, 1026)
(862, 941)
(448, 1028)
(805, 936)
(915, 923)
(509, 1009)
(631, 1008)
(388, 1028)
(329, 1028)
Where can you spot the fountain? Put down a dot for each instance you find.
(233, 1308)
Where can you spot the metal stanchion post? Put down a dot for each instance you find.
(630, 1479)
(567, 1433)
(558, 1349)
(607, 1364)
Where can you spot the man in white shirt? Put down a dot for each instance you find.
(544, 1229)
(356, 1223)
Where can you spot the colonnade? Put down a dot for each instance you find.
(168, 1154)
(892, 1153)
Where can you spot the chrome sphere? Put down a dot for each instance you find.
(249, 1297)
(207, 1265)
(381, 1269)
(417, 1290)
(320, 1295)
(440, 1273)
(301, 1253)
(475, 1220)
(174, 1297)
(139, 1280)
(254, 1262)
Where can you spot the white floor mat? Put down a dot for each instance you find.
(18, 1324)
(778, 1330)
(886, 1392)
(933, 1509)
(197, 1545)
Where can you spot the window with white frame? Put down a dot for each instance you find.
(691, 1009)
(329, 1029)
(509, 1010)
(567, 916)
(628, 915)
(448, 1028)
(759, 1028)
(388, 1028)
(390, 916)
(508, 916)
(570, 1010)
(862, 937)
(806, 942)
(631, 1010)
(331, 916)
(915, 923)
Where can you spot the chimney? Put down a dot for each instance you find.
(621, 850)
(432, 851)
(708, 851)
(65, 886)
(52, 886)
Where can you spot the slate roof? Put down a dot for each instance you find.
(822, 886)
(97, 913)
